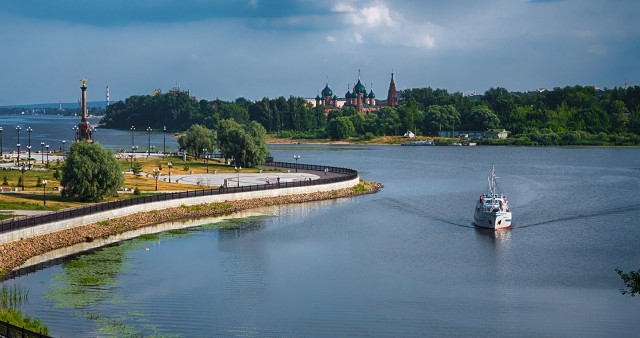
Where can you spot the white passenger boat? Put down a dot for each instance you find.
(492, 209)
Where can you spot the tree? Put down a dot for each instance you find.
(389, 121)
(90, 173)
(481, 118)
(631, 280)
(196, 139)
(341, 128)
(410, 115)
(438, 118)
(247, 146)
(136, 168)
(257, 150)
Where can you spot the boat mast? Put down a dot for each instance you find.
(493, 181)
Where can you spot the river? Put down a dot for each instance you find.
(403, 262)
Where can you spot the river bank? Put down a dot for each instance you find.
(14, 254)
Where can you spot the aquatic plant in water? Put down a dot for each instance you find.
(11, 300)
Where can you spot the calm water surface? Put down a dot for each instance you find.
(403, 262)
(53, 129)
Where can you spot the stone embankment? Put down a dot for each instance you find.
(14, 254)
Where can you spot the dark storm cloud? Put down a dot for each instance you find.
(123, 12)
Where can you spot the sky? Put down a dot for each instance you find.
(258, 48)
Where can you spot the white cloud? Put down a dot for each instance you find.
(331, 38)
(358, 38)
(377, 23)
(373, 16)
(341, 7)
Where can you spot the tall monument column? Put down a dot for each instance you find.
(84, 102)
(84, 128)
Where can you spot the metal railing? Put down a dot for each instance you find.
(26, 222)
(10, 331)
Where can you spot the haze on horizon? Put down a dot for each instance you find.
(257, 48)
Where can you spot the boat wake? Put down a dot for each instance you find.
(608, 211)
(423, 213)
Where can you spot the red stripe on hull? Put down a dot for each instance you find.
(480, 226)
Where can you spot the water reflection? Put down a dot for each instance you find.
(502, 236)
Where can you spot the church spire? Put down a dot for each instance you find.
(392, 96)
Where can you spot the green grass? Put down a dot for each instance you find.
(7, 216)
(15, 317)
(11, 299)
(359, 188)
(178, 232)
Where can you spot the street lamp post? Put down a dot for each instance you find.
(18, 131)
(204, 152)
(296, 157)
(47, 146)
(164, 139)
(75, 132)
(22, 172)
(169, 165)
(0, 141)
(156, 173)
(63, 143)
(42, 152)
(238, 168)
(132, 129)
(29, 130)
(44, 191)
(149, 130)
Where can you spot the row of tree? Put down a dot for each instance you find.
(245, 144)
(424, 111)
(177, 112)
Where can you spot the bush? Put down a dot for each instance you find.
(136, 191)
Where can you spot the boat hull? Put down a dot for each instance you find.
(492, 220)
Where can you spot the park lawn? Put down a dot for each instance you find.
(32, 198)
(31, 179)
(35, 201)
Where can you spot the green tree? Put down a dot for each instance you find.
(631, 280)
(247, 146)
(438, 118)
(196, 139)
(56, 174)
(136, 168)
(410, 115)
(388, 121)
(341, 128)
(90, 173)
(481, 118)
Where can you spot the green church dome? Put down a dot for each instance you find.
(327, 91)
(372, 95)
(359, 88)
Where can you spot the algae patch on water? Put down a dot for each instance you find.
(246, 223)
